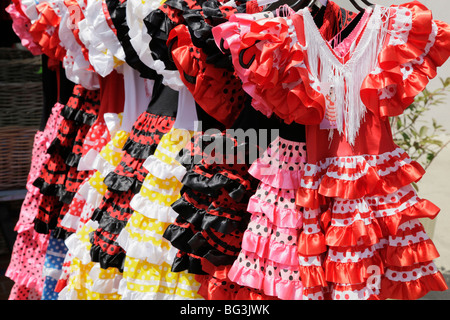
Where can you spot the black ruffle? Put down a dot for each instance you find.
(138, 150)
(46, 188)
(60, 233)
(201, 219)
(73, 159)
(57, 147)
(117, 11)
(185, 262)
(78, 115)
(107, 261)
(188, 241)
(97, 214)
(212, 185)
(119, 183)
(45, 228)
(65, 196)
(110, 224)
(158, 27)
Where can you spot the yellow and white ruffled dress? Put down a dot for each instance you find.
(147, 274)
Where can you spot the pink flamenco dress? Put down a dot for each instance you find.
(361, 236)
(27, 258)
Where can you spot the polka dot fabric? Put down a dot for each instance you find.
(123, 183)
(268, 260)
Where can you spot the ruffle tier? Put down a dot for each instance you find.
(268, 260)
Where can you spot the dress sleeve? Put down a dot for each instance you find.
(218, 91)
(269, 60)
(415, 46)
(204, 69)
(45, 32)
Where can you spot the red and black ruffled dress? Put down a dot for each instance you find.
(212, 210)
(361, 237)
(127, 178)
(59, 177)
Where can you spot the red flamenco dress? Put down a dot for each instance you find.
(361, 237)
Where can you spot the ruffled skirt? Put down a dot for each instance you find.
(268, 260)
(361, 229)
(123, 183)
(147, 274)
(59, 178)
(212, 215)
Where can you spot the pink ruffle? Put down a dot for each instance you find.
(21, 26)
(283, 289)
(285, 218)
(275, 177)
(268, 249)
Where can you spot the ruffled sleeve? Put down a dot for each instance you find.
(21, 26)
(77, 68)
(45, 32)
(269, 59)
(97, 34)
(415, 46)
(205, 71)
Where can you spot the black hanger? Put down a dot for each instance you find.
(300, 4)
(356, 5)
(367, 3)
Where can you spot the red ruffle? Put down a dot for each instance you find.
(354, 234)
(216, 285)
(411, 254)
(369, 184)
(217, 90)
(312, 276)
(393, 56)
(351, 272)
(311, 244)
(412, 290)
(49, 42)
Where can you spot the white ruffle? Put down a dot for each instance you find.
(102, 165)
(30, 9)
(128, 294)
(90, 194)
(86, 161)
(163, 170)
(68, 294)
(104, 286)
(145, 250)
(137, 10)
(105, 51)
(152, 210)
(76, 67)
(70, 221)
(77, 247)
(113, 122)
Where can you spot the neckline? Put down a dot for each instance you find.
(363, 36)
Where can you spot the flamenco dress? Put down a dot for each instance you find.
(77, 67)
(86, 280)
(127, 177)
(29, 250)
(361, 229)
(147, 274)
(268, 260)
(218, 238)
